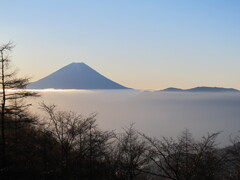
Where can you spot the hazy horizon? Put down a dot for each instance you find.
(139, 44)
(80, 76)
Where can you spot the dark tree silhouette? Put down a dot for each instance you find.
(131, 149)
(12, 91)
(63, 127)
(233, 153)
(82, 143)
(185, 158)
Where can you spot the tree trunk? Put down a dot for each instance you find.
(3, 138)
(3, 114)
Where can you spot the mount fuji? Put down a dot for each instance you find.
(75, 76)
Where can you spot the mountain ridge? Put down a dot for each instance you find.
(200, 89)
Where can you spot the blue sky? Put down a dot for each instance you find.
(143, 44)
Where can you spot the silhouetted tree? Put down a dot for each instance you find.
(63, 126)
(185, 158)
(233, 154)
(84, 147)
(12, 91)
(131, 149)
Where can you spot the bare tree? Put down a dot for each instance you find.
(93, 145)
(12, 90)
(63, 126)
(131, 149)
(184, 158)
(233, 154)
(82, 143)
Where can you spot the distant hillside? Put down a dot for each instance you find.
(171, 89)
(75, 76)
(201, 89)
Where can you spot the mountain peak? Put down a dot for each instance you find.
(77, 63)
(76, 75)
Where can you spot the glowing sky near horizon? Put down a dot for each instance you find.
(142, 44)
